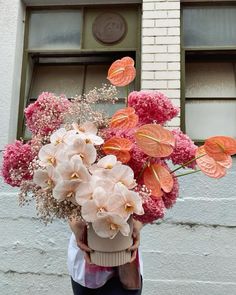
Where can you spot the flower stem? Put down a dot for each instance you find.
(186, 163)
(190, 172)
(143, 168)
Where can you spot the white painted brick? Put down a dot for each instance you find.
(167, 57)
(154, 84)
(172, 75)
(154, 31)
(168, 5)
(174, 66)
(174, 14)
(148, 23)
(174, 122)
(154, 66)
(169, 23)
(148, 57)
(172, 93)
(173, 31)
(148, 75)
(174, 48)
(148, 40)
(154, 14)
(167, 40)
(148, 6)
(174, 84)
(154, 49)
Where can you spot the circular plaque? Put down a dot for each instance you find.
(109, 28)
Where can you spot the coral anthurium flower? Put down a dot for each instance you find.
(220, 147)
(119, 147)
(158, 178)
(122, 72)
(155, 140)
(211, 167)
(124, 118)
(109, 224)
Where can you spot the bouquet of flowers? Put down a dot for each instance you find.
(79, 162)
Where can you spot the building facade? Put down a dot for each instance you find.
(186, 49)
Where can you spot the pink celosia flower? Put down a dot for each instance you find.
(184, 150)
(46, 114)
(169, 199)
(152, 106)
(153, 209)
(16, 160)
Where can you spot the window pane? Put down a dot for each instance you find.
(110, 109)
(209, 26)
(59, 79)
(210, 117)
(210, 80)
(54, 29)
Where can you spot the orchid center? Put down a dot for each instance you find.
(109, 166)
(75, 175)
(81, 156)
(59, 140)
(50, 182)
(81, 129)
(70, 195)
(101, 209)
(52, 160)
(114, 226)
(129, 207)
(87, 141)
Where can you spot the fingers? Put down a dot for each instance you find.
(136, 242)
(133, 257)
(83, 246)
(87, 258)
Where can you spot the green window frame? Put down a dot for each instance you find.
(37, 61)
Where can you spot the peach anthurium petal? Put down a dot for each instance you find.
(124, 118)
(66, 190)
(208, 165)
(119, 147)
(154, 140)
(109, 224)
(220, 147)
(227, 163)
(122, 72)
(158, 178)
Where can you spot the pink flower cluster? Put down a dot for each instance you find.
(46, 114)
(184, 150)
(152, 107)
(16, 160)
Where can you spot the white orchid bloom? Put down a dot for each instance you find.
(73, 170)
(125, 202)
(49, 154)
(109, 224)
(105, 163)
(85, 192)
(123, 174)
(46, 178)
(87, 152)
(66, 190)
(58, 137)
(91, 209)
(88, 132)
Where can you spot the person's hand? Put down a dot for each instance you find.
(137, 226)
(79, 229)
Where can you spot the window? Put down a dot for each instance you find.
(68, 51)
(209, 70)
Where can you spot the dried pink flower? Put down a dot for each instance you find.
(16, 160)
(152, 106)
(184, 150)
(46, 114)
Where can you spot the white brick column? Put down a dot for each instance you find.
(161, 49)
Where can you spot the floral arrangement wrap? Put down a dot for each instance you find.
(82, 163)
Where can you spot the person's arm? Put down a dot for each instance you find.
(137, 226)
(79, 229)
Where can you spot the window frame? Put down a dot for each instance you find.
(188, 49)
(28, 53)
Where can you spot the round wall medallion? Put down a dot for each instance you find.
(109, 27)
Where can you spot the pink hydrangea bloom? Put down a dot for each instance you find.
(152, 106)
(16, 160)
(153, 209)
(46, 114)
(169, 199)
(184, 150)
